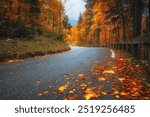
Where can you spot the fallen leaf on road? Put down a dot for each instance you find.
(115, 93)
(71, 97)
(109, 72)
(80, 75)
(104, 93)
(54, 93)
(40, 94)
(38, 83)
(64, 87)
(101, 79)
(117, 96)
(123, 93)
(89, 94)
(46, 93)
(50, 87)
(89, 83)
(121, 79)
(83, 85)
(71, 92)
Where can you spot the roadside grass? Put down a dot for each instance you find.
(20, 49)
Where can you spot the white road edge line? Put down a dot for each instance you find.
(112, 54)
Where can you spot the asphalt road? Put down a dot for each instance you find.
(19, 80)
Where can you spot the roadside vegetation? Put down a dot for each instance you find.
(32, 28)
(20, 49)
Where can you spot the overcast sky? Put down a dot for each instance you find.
(74, 8)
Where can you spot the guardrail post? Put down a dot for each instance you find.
(128, 48)
(149, 59)
(135, 51)
(124, 47)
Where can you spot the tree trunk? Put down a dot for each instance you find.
(137, 18)
(149, 13)
(123, 26)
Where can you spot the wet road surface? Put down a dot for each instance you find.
(41, 78)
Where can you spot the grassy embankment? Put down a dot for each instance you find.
(14, 49)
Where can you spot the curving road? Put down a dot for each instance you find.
(18, 80)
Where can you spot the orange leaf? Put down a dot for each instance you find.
(115, 92)
(46, 93)
(101, 79)
(39, 95)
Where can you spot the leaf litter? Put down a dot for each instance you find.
(124, 73)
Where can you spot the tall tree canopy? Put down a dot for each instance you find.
(28, 18)
(111, 21)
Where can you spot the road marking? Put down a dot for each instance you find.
(113, 54)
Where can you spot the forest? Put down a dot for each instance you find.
(31, 28)
(27, 18)
(110, 21)
(108, 57)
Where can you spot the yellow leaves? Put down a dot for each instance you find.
(80, 75)
(89, 93)
(104, 93)
(121, 79)
(101, 79)
(83, 85)
(64, 87)
(92, 92)
(89, 83)
(71, 97)
(109, 72)
(72, 91)
(115, 92)
(117, 96)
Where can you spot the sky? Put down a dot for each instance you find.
(73, 9)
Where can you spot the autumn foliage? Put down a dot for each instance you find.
(28, 18)
(110, 21)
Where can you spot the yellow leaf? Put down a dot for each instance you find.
(109, 72)
(61, 88)
(80, 75)
(101, 79)
(83, 85)
(89, 93)
(64, 87)
(117, 96)
(88, 96)
(89, 83)
(115, 92)
(71, 92)
(104, 93)
(121, 79)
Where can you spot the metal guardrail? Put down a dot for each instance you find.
(139, 47)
